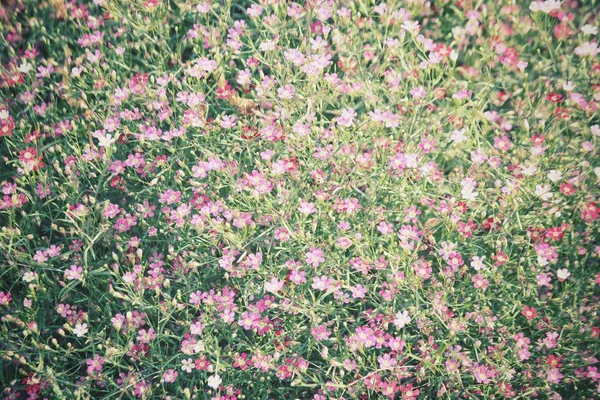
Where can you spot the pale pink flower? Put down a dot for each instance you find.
(402, 319)
(346, 118)
(274, 285)
(315, 257)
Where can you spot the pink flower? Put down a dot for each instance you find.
(94, 364)
(551, 340)
(386, 361)
(454, 260)
(320, 332)
(502, 143)
(170, 376)
(346, 118)
(554, 376)
(358, 292)
(254, 11)
(247, 320)
(74, 272)
(343, 242)
(40, 256)
(297, 276)
(322, 282)
(5, 298)
(479, 282)
(385, 228)
(462, 94)
(307, 208)
(146, 336)
(170, 197)
(418, 92)
(315, 257)
(286, 93)
(396, 344)
(544, 280)
(483, 373)
(228, 121)
(529, 312)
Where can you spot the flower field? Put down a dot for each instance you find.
(323, 199)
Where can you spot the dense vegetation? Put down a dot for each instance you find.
(314, 200)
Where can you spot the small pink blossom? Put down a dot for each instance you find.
(315, 257)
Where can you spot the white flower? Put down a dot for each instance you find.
(530, 170)
(543, 191)
(267, 45)
(107, 141)
(4, 115)
(187, 365)
(29, 276)
(459, 135)
(410, 26)
(324, 353)
(589, 29)
(550, 5)
(545, 6)
(563, 274)
(522, 65)
(274, 285)
(412, 160)
(595, 130)
(76, 72)
(468, 184)
(80, 329)
(568, 86)
(554, 175)
(402, 319)
(104, 139)
(25, 67)
(214, 381)
(198, 347)
(469, 194)
(587, 49)
(346, 118)
(477, 263)
(203, 8)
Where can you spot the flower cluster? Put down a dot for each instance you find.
(269, 199)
